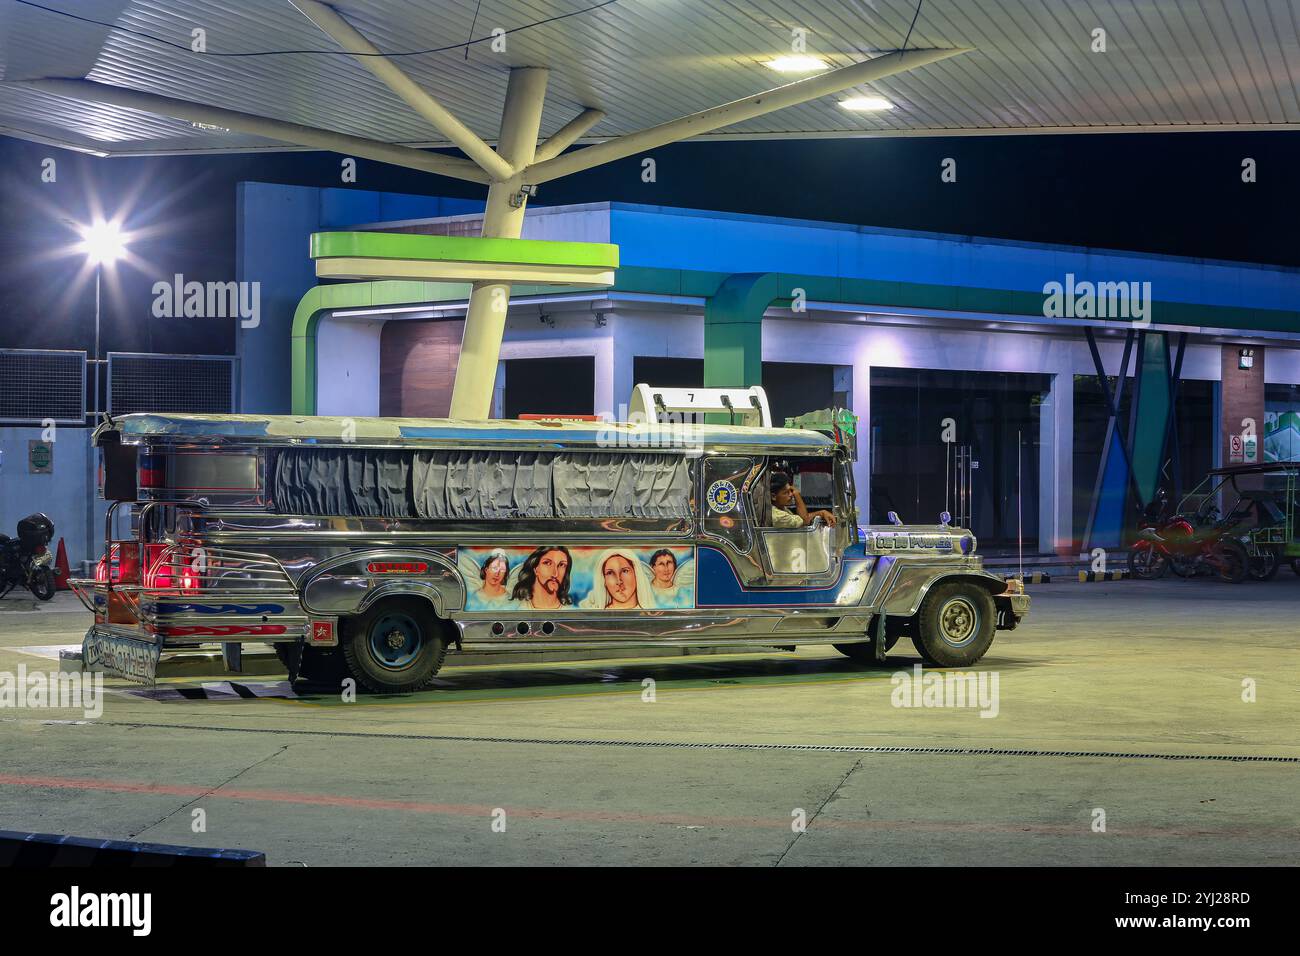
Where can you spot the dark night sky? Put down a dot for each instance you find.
(1178, 193)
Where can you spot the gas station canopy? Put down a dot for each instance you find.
(513, 85)
(1189, 65)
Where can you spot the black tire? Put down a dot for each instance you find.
(1232, 563)
(43, 584)
(320, 665)
(1295, 565)
(956, 624)
(1263, 567)
(1146, 562)
(395, 647)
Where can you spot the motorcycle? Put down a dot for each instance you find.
(27, 560)
(1188, 546)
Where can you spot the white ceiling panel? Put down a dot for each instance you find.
(1168, 65)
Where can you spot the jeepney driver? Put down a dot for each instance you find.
(788, 509)
(544, 579)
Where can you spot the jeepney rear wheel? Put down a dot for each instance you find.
(956, 624)
(395, 647)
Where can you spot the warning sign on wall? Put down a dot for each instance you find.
(1243, 449)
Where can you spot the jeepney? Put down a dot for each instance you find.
(373, 547)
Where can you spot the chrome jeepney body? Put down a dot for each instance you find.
(225, 549)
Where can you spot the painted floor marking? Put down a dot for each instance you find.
(485, 811)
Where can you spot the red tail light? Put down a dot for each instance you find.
(157, 560)
(171, 567)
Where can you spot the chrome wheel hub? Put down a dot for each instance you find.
(958, 621)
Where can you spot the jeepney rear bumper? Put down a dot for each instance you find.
(1012, 609)
(135, 626)
(121, 652)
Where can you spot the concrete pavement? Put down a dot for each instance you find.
(1123, 699)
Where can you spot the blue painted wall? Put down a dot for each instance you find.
(67, 494)
(273, 223)
(731, 242)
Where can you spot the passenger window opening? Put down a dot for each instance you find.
(801, 490)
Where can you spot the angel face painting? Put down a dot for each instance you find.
(664, 568)
(493, 572)
(558, 577)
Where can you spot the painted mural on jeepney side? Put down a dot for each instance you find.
(585, 578)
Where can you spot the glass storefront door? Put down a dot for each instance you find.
(923, 421)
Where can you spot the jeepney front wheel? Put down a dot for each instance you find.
(395, 647)
(955, 625)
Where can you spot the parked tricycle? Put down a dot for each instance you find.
(1239, 521)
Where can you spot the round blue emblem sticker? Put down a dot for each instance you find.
(722, 496)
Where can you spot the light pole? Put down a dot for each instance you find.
(103, 243)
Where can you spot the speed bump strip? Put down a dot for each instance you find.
(1102, 575)
(1033, 577)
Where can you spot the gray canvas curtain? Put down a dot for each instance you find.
(478, 484)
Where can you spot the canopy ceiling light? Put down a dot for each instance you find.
(866, 104)
(797, 64)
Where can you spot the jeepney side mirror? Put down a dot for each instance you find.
(945, 519)
(893, 518)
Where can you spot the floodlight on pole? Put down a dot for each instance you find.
(102, 242)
